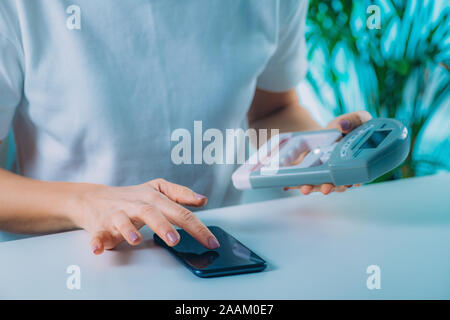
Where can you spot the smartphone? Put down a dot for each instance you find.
(232, 257)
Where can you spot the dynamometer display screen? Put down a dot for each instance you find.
(375, 139)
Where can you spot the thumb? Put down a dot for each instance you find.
(179, 193)
(348, 122)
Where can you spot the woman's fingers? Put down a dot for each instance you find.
(340, 189)
(348, 122)
(97, 245)
(155, 219)
(178, 193)
(119, 212)
(181, 216)
(185, 219)
(326, 188)
(306, 189)
(123, 224)
(102, 240)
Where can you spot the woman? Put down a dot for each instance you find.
(94, 89)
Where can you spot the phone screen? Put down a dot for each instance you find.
(232, 257)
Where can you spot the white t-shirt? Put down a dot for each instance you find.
(94, 89)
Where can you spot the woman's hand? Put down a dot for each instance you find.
(345, 123)
(114, 214)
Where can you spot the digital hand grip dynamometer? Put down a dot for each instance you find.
(328, 156)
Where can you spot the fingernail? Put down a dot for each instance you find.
(172, 237)
(94, 249)
(213, 243)
(345, 124)
(199, 196)
(134, 236)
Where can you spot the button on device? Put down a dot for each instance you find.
(344, 150)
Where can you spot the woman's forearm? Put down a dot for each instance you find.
(287, 119)
(281, 111)
(110, 214)
(32, 206)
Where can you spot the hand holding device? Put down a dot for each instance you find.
(364, 154)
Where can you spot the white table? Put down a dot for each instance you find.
(316, 247)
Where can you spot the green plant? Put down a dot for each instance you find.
(400, 71)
